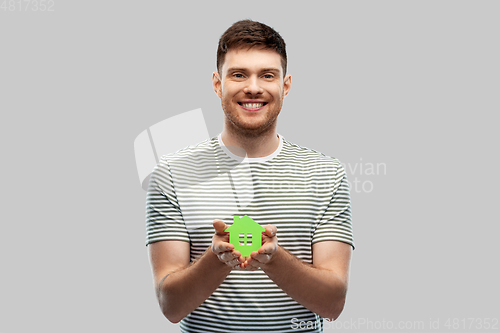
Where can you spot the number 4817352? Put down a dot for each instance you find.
(27, 5)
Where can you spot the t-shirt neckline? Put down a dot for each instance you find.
(251, 159)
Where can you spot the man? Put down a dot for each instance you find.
(300, 273)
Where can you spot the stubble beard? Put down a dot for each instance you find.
(241, 129)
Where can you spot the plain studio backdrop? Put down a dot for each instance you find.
(401, 92)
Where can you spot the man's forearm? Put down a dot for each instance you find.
(321, 291)
(184, 290)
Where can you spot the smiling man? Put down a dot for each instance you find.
(300, 273)
(251, 86)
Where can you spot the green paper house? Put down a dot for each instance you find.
(245, 234)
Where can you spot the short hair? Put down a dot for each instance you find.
(249, 34)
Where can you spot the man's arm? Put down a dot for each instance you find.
(182, 286)
(320, 287)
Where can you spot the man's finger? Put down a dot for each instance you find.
(268, 248)
(271, 230)
(220, 247)
(252, 264)
(228, 256)
(219, 227)
(240, 266)
(262, 258)
(233, 263)
(248, 260)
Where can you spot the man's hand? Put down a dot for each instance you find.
(223, 249)
(265, 253)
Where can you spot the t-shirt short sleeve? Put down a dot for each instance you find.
(336, 225)
(163, 215)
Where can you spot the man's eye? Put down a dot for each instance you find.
(238, 75)
(268, 76)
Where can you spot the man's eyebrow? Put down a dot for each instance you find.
(241, 69)
(271, 69)
(233, 69)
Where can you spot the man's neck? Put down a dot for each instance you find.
(251, 146)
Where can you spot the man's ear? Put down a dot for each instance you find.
(287, 84)
(217, 84)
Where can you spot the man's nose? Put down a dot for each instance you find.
(252, 86)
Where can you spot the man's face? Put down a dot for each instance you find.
(251, 88)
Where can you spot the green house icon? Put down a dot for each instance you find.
(245, 234)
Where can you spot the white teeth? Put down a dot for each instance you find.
(252, 105)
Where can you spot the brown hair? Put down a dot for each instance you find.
(248, 34)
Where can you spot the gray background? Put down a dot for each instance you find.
(410, 85)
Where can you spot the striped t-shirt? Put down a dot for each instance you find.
(304, 193)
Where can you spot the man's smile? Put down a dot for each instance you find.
(252, 105)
